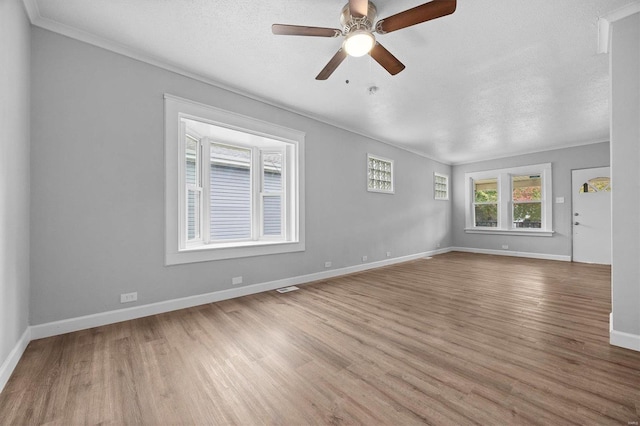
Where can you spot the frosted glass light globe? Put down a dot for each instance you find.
(359, 43)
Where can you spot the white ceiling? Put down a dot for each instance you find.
(496, 78)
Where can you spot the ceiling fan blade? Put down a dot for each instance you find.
(386, 59)
(301, 30)
(358, 8)
(426, 12)
(332, 65)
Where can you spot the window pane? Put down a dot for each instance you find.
(193, 214)
(230, 189)
(599, 184)
(526, 188)
(272, 214)
(193, 194)
(272, 172)
(527, 215)
(486, 215)
(191, 156)
(485, 190)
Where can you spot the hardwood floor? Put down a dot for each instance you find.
(456, 339)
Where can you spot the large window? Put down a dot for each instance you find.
(234, 185)
(512, 201)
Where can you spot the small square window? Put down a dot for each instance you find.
(440, 186)
(379, 174)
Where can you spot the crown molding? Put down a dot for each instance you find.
(604, 24)
(31, 6)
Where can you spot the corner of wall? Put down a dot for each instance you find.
(15, 139)
(10, 363)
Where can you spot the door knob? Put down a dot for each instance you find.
(576, 214)
(576, 223)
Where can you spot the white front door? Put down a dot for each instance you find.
(591, 200)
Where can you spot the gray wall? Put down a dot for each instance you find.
(14, 174)
(562, 162)
(625, 159)
(97, 217)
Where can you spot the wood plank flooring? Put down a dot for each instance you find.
(456, 339)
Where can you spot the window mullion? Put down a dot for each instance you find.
(547, 202)
(284, 208)
(182, 186)
(256, 193)
(205, 175)
(509, 203)
(504, 201)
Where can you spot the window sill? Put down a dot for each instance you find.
(234, 250)
(235, 244)
(528, 233)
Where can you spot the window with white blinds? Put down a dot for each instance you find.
(239, 190)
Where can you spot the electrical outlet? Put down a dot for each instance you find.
(236, 280)
(364, 258)
(388, 254)
(327, 264)
(128, 297)
(505, 247)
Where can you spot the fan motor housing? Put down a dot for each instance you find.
(350, 23)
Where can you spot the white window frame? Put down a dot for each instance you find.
(198, 187)
(505, 201)
(437, 175)
(369, 178)
(177, 249)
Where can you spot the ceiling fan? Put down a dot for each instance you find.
(357, 18)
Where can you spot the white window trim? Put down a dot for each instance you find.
(446, 178)
(393, 178)
(505, 204)
(175, 108)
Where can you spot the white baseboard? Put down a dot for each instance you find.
(95, 320)
(10, 363)
(624, 340)
(513, 253)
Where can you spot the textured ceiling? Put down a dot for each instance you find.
(496, 78)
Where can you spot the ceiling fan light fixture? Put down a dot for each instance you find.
(357, 19)
(359, 43)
